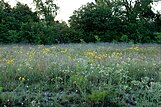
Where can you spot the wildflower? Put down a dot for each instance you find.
(89, 53)
(21, 78)
(10, 61)
(46, 50)
(64, 51)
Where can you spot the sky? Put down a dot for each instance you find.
(67, 6)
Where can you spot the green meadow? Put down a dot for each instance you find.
(80, 75)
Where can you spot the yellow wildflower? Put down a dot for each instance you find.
(21, 78)
(10, 61)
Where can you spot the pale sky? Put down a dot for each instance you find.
(67, 6)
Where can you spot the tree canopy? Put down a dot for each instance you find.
(115, 19)
(102, 20)
(46, 9)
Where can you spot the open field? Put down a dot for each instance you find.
(80, 75)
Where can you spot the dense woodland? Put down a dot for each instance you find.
(102, 21)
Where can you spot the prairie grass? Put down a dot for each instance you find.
(80, 75)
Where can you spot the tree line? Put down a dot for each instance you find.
(101, 21)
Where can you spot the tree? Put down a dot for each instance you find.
(158, 21)
(6, 20)
(137, 17)
(97, 20)
(47, 10)
(111, 19)
(23, 13)
(12, 19)
(139, 20)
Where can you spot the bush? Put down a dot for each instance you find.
(124, 38)
(158, 37)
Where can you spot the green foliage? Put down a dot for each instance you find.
(158, 21)
(47, 9)
(1, 88)
(97, 39)
(110, 20)
(158, 38)
(38, 33)
(23, 14)
(143, 90)
(66, 34)
(13, 20)
(21, 25)
(98, 97)
(92, 20)
(124, 38)
(82, 41)
(114, 19)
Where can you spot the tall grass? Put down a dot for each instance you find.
(83, 75)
